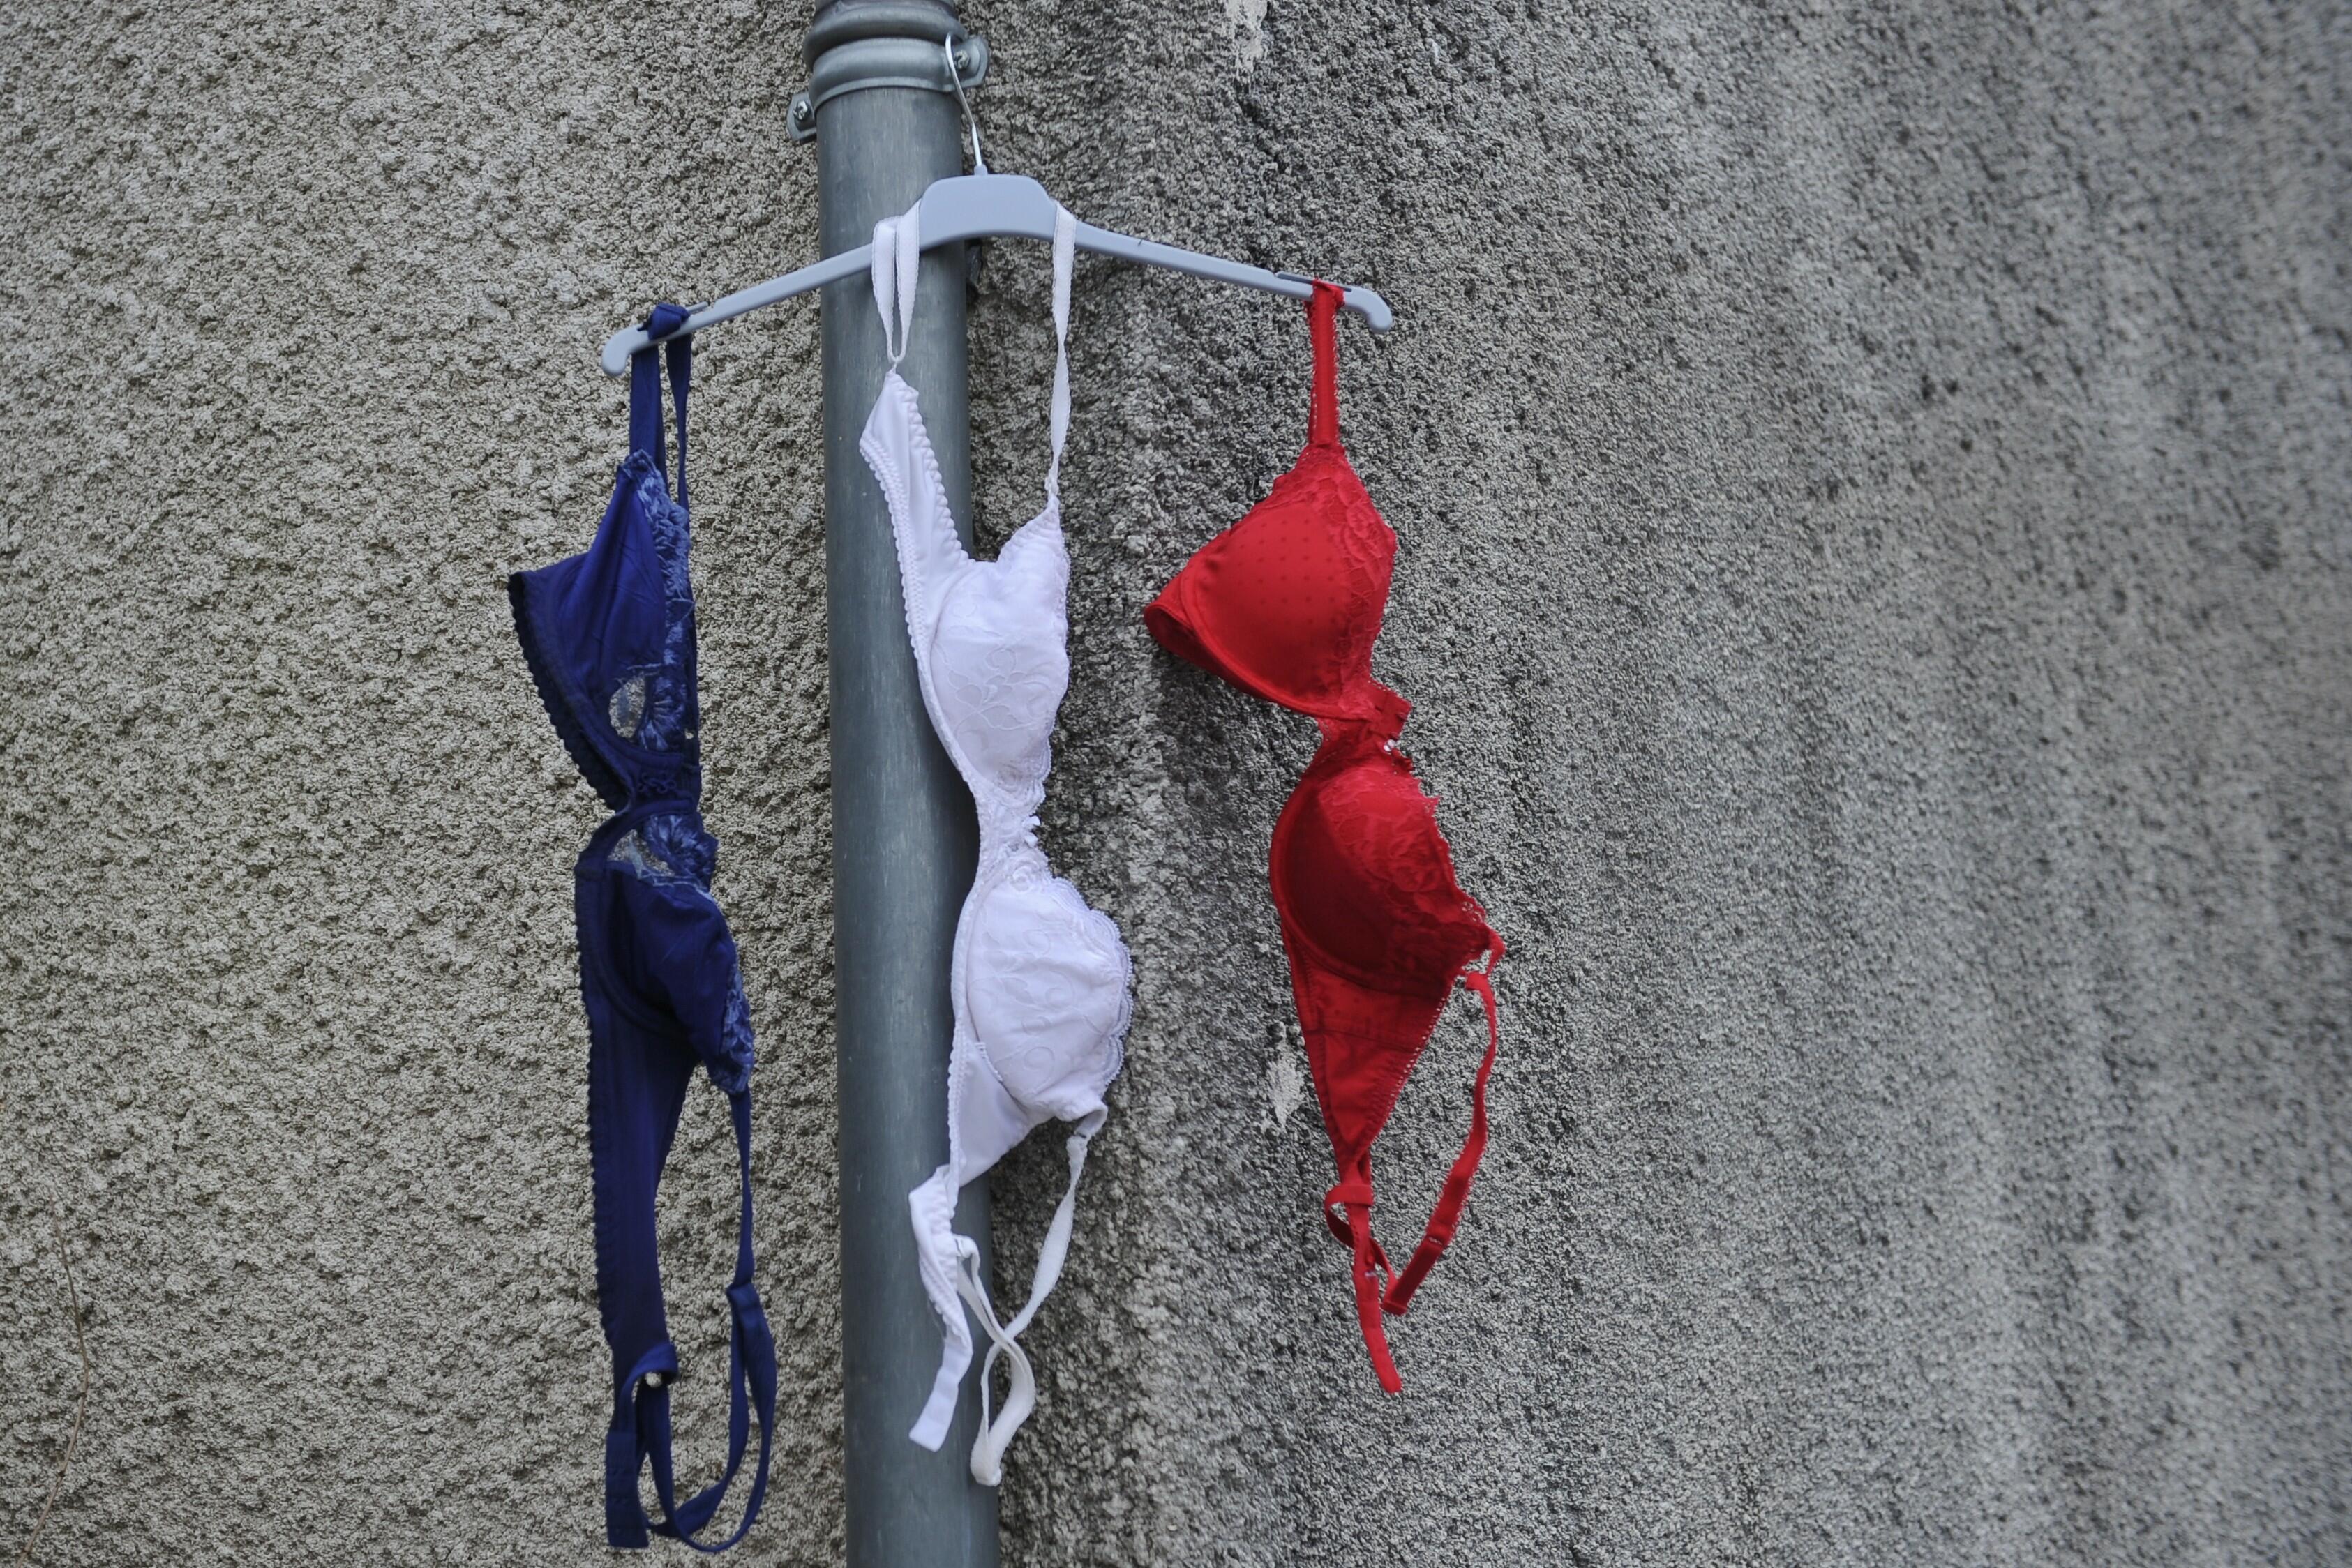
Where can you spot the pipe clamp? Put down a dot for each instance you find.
(860, 63)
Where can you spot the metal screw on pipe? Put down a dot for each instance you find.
(880, 106)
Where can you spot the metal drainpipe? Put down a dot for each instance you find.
(904, 839)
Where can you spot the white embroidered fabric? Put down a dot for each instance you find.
(1040, 980)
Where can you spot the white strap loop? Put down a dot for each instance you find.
(886, 292)
(1066, 246)
(898, 253)
(1021, 1397)
(932, 1208)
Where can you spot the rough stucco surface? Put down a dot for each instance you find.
(1877, 582)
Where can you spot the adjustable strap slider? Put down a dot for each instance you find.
(655, 1370)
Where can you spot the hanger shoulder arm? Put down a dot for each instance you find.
(1176, 258)
(851, 263)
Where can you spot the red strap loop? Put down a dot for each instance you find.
(1372, 1272)
(1323, 413)
(1447, 1216)
(1356, 1191)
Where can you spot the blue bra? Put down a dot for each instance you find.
(609, 636)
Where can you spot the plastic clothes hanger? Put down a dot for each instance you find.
(991, 207)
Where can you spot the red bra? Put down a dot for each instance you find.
(1286, 605)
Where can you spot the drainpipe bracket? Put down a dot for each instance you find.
(861, 63)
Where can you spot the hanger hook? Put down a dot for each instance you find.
(955, 79)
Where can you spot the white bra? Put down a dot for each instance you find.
(1040, 980)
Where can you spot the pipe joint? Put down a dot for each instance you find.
(854, 44)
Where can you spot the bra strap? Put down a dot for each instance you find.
(1370, 1267)
(1323, 409)
(1065, 240)
(641, 1425)
(1021, 1395)
(897, 256)
(1447, 1215)
(644, 391)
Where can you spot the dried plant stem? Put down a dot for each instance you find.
(81, 1404)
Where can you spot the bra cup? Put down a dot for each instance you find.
(1362, 1043)
(1045, 982)
(1000, 662)
(1367, 878)
(989, 1124)
(1287, 601)
(1297, 603)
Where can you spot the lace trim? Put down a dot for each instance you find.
(915, 591)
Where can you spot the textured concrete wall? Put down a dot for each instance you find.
(1876, 579)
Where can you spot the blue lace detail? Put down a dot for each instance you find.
(654, 705)
(735, 1040)
(668, 849)
(686, 844)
